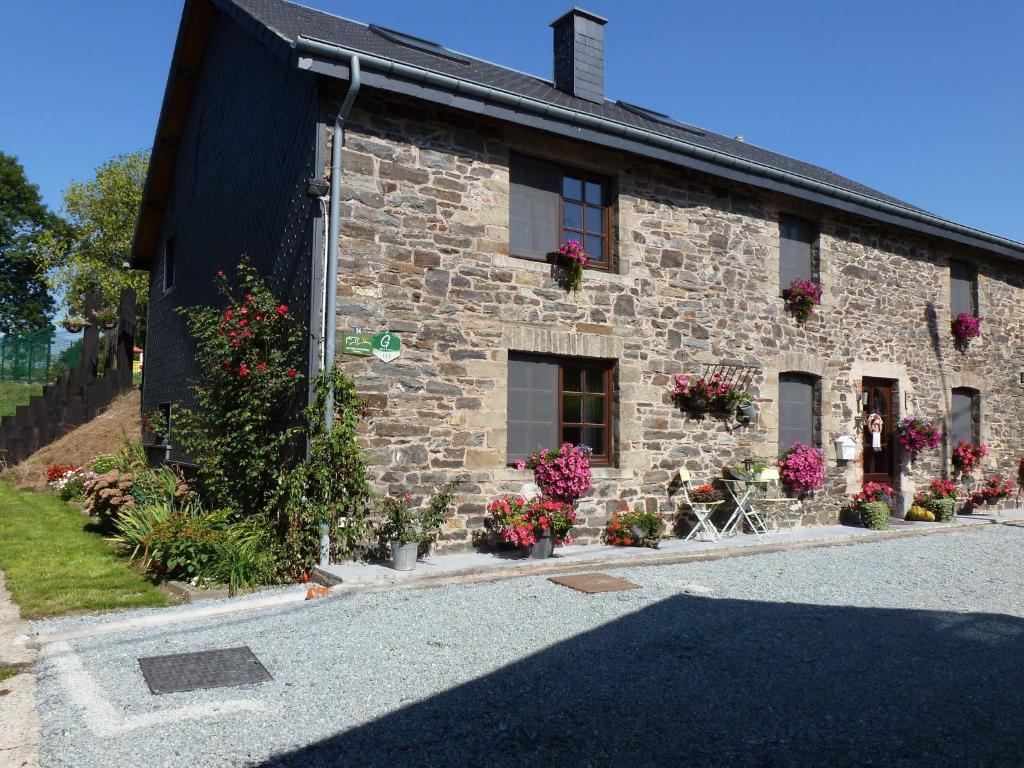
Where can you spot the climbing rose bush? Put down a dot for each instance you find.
(916, 435)
(563, 474)
(966, 326)
(967, 456)
(521, 522)
(802, 468)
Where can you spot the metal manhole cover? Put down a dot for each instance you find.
(180, 672)
(591, 583)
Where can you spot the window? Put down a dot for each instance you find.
(966, 422)
(168, 264)
(963, 288)
(549, 205)
(796, 250)
(797, 399)
(556, 400)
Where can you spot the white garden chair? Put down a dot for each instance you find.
(702, 510)
(774, 506)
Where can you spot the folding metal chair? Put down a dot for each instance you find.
(702, 510)
(774, 507)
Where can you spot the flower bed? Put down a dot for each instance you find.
(916, 435)
(69, 482)
(802, 468)
(966, 326)
(801, 297)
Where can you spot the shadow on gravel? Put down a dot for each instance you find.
(693, 681)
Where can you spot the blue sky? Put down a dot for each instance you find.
(918, 98)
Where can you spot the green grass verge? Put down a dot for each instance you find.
(15, 393)
(54, 565)
(6, 672)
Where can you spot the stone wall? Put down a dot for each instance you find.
(424, 252)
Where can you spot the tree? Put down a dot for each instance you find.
(89, 255)
(25, 303)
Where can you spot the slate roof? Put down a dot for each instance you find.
(290, 20)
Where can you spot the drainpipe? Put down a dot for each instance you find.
(331, 299)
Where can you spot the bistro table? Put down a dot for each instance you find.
(743, 493)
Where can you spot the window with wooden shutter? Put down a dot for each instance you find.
(963, 288)
(550, 204)
(966, 420)
(796, 250)
(554, 400)
(796, 410)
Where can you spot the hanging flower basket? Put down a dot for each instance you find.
(573, 258)
(73, 324)
(802, 468)
(106, 318)
(802, 297)
(966, 326)
(710, 395)
(967, 456)
(916, 435)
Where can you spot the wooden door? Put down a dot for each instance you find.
(880, 463)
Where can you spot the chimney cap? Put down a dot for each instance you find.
(577, 11)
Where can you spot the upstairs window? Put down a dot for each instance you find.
(549, 204)
(966, 422)
(963, 288)
(797, 406)
(796, 250)
(554, 400)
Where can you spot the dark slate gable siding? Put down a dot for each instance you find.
(248, 149)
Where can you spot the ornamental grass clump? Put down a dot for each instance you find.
(575, 258)
(916, 435)
(522, 521)
(966, 326)
(634, 529)
(562, 474)
(967, 456)
(802, 468)
(801, 297)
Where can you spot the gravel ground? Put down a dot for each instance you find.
(898, 653)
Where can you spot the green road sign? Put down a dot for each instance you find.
(387, 346)
(357, 344)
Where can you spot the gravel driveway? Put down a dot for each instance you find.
(897, 653)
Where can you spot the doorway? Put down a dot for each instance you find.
(880, 455)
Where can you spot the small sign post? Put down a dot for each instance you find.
(387, 346)
(357, 344)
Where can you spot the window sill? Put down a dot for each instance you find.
(610, 277)
(511, 474)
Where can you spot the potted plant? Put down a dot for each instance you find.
(562, 474)
(802, 468)
(106, 318)
(966, 326)
(406, 527)
(801, 297)
(538, 524)
(634, 529)
(995, 489)
(939, 498)
(712, 394)
(706, 494)
(916, 435)
(73, 323)
(874, 503)
(967, 456)
(573, 258)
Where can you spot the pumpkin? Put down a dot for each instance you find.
(921, 514)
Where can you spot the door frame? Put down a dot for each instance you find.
(894, 474)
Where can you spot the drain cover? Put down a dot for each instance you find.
(179, 672)
(592, 583)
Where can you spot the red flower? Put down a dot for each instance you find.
(259, 316)
(220, 274)
(243, 370)
(282, 309)
(229, 314)
(261, 368)
(248, 297)
(243, 323)
(292, 373)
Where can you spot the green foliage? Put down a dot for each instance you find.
(25, 303)
(875, 515)
(135, 525)
(943, 509)
(184, 545)
(240, 433)
(86, 256)
(104, 463)
(634, 529)
(440, 507)
(402, 520)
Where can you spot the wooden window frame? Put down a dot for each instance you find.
(606, 208)
(606, 457)
(603, 459)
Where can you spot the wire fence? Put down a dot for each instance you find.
(38, 356)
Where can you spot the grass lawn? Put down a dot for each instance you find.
(15, 393)
(54, 565)
(6, 672)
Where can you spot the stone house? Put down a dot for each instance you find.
(458, 181)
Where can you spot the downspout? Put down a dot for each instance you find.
(331, 299)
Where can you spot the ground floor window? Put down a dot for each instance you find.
(555, 400)
(797, 409)
(966, 416)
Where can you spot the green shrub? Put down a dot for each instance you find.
(184, 546)
(875, 515)
(134, 526)
(245, 556)
(942, 508)
(104, 463)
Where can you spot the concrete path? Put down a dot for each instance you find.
(19, 721)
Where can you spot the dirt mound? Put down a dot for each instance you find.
(106, 433)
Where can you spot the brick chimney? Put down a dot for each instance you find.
(579, 54)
